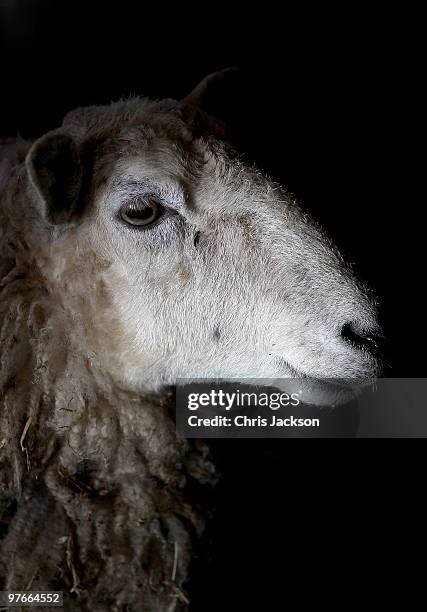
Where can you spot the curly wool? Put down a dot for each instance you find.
(94, 483)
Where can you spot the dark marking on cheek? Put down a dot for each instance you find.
(216, 334)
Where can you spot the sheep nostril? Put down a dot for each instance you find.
(368, 340)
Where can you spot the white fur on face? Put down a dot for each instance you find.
(260, 292)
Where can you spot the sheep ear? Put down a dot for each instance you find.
(213, 90)
(55, 171)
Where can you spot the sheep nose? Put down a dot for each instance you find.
(368, 340)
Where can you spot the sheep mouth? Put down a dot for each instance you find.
(319, 391)
(293, 371)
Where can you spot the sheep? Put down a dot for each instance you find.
(137, 248)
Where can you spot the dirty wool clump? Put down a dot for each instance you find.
(93, 481)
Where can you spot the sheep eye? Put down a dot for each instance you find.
(141, 213)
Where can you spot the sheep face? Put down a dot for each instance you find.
(211, 270)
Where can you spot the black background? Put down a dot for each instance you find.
(327, 104)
